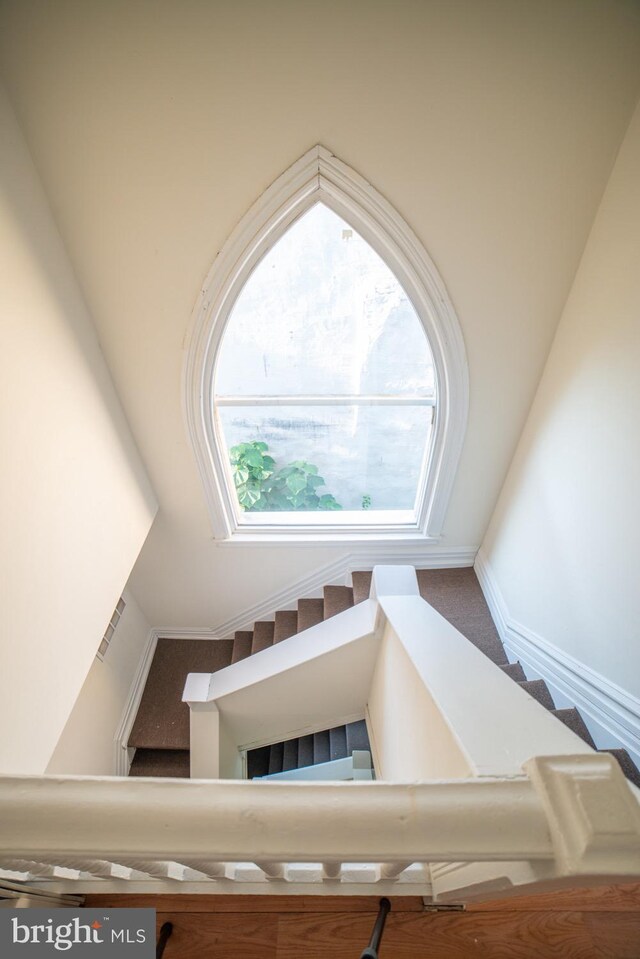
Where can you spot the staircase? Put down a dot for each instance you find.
(321, 747)
(160, 733)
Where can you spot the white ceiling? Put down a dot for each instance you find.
(491, 125)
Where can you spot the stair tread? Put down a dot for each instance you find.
(626, 763)
(262, 636)
(540, 691)
(162, 721)
(310, 613)
(309, 750)
(338, 742)
(241, 645)
(361, 581)
(574, 721)
(286, 624)
(337, 599)
(170, 763)
(514, 671)
(357, 736)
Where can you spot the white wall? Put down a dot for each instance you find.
(75, 505)
(86, 746)
(490, 125)
(563, 542)
(410, 737)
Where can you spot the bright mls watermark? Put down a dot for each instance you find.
(30, 933)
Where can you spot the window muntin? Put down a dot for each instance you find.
(325, 360)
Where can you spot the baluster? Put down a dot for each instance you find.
(155, 869)
(391, 870)
(212, 870)
(100, 868)
(38, 870)
(272, 870)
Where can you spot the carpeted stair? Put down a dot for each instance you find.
(321, 747)
(173, 763)
(161, 730)
(161, 726)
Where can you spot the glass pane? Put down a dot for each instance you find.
(322, 314)
(368, 456)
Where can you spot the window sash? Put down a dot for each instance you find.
(326, 400)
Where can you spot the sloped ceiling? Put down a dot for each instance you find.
(491, 125)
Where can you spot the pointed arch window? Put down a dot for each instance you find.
(326, 383)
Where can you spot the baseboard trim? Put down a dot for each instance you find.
(188, 632)
(122, 754)
(336, 573)
(603, 702)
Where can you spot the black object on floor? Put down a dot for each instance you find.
(165, 933)
(371, 952)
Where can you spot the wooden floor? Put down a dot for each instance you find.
(576, 924)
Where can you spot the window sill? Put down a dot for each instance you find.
(339, 529)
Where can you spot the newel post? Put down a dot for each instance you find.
(592, 813)
(204, 727)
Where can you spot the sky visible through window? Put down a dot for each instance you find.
(325, 361)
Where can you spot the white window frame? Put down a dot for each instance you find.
(319, 176)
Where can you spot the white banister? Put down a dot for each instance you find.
(568, 817)
(393, 581)
(593, 815)
(474, 720)
(204, 727)
(229, 821)
(234, 821)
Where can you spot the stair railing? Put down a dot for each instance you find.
(564, 817)
(459, 810)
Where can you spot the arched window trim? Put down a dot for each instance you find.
(319, 176)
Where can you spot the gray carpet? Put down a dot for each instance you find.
(162, 721)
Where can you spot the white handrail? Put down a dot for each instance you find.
(568, 817)
(284, 822)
